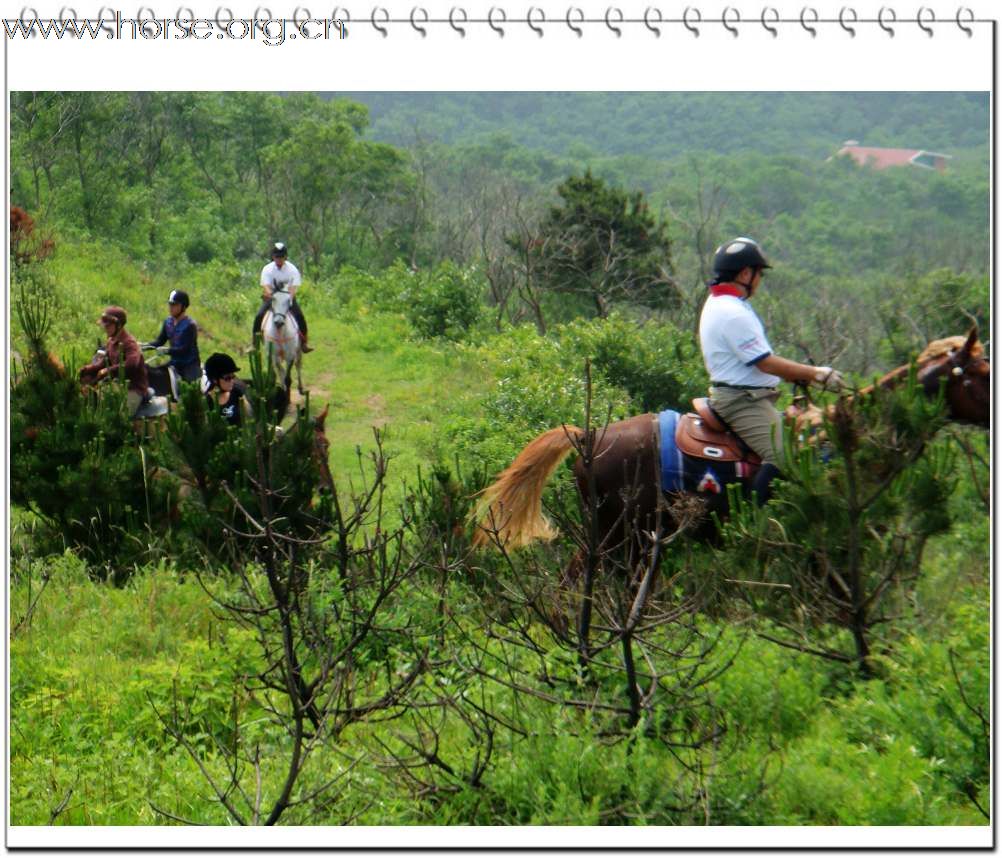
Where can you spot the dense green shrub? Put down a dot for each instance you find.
(76, 461)
(658, 365)
(444, 302)
(227, 464)
(842, 541)
(364, 291)
(941, 303)
(601, 244)
(541, 381)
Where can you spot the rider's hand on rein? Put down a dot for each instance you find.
(829, 379)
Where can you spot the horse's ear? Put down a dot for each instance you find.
(972, 338)
(318, 421)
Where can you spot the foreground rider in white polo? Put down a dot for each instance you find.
(280, 273)
(743, 370)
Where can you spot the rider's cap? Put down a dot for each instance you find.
(114, 314)
(279, 249)
(177, 296)
(219, 365)
(738, 253)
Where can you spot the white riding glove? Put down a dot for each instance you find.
(829, 379)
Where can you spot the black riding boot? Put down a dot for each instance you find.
(297, 314)
(761, 486)
(259, 318)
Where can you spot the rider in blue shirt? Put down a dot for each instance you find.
(182, 332)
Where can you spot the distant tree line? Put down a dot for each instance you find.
(550, 233)
(666, 125)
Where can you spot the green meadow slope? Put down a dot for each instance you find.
(368, 366)
(803, 741)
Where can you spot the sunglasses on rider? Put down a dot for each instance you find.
(230, 377)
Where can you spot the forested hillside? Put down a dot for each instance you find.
(665, 125)
(291, 622)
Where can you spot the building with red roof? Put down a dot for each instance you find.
(880, 158)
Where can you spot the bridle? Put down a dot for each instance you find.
(956, 367)
(278, 317)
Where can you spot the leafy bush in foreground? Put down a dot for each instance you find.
(76, 461)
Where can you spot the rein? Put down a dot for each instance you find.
(928, 373)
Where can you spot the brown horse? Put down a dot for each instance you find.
(321, 450)
(624, 479)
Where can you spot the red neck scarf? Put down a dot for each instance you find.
(729, 289)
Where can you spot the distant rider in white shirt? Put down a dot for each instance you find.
(281, 274)
(743, 370)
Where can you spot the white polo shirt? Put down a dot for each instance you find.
(287, 277)
(733, 341)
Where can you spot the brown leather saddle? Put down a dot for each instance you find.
(704, 436)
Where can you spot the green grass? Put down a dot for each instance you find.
(375, 375)
(798, 750)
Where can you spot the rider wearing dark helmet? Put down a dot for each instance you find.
(225, 392)
(744, 371)
(182, 332)
(281, 274)
(122, 350)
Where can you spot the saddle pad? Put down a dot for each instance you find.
(671, 456)
(683, 472)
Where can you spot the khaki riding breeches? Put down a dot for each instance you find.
(753, 416)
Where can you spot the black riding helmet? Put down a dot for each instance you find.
(178, 297)
(219, 365)
(734, 255)
(279, 249)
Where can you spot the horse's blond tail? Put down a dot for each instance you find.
(511, 509)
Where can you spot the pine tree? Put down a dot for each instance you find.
(603, 244)
(843, 539)
(77, 462)
(227, 464)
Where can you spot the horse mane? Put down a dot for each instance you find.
(812, 416)
(938, 348)
(935, 349)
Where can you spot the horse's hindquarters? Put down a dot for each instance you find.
(625, 476)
